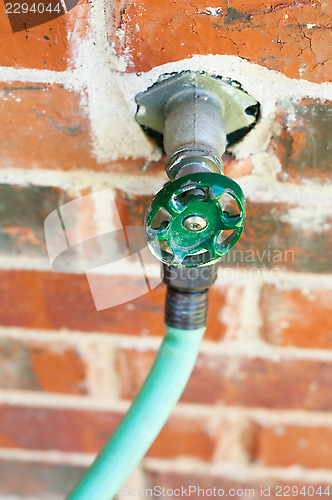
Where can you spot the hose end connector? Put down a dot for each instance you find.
(186, 310)
(187, 295)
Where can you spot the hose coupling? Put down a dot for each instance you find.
(188, 295)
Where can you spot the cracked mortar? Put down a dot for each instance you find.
(108, 93)
(111, 92)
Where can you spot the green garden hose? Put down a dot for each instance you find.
(145, 418)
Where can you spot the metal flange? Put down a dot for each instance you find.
(239, 110)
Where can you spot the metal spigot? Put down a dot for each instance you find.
(198, 216)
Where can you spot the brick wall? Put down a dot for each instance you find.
(258, 408)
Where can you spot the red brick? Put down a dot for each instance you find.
(38, 367)
(270, 241)
(49, 300)
(235, 380)
(303, 144)
(234, 485)
(296, 317)
(278, 36)
(59, 371)
(223, 312)
(131, 210)
(258, 382)
(292, 444)
(87, 431)
(185, 436)
(236, 168)
(47, 46)
(43, 116)
(131, 207)
(37, 479)
(135, 166)
(55, 429)
(22, 213)
(24, 210)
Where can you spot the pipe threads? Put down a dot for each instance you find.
(186, 310)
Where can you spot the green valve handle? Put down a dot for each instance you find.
(195, 220)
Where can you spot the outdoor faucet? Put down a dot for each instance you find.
(190, 224)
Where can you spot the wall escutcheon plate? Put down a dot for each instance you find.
(239, 109)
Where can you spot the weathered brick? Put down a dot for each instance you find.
(23, 211)
(55, 429)
(284, 445)
(38, 479)
(49, 300)
(187, 436)
(131, 210)
(303, 143)
(294, 384)
(131, 207)
(272, 240)
(22, 214)
(87, 431)
(236, 168)
(224, 311)
(133, 166)
(291, 38)
(38, 117)
(236, 380)
(297, 317)
(46, 40)
(38, 367)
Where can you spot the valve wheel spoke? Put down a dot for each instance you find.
(158, 234)
(173, 208)
(232, 222)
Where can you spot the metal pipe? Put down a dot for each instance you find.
(194, 133)
(193, 118)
